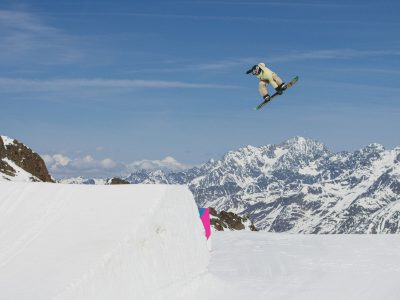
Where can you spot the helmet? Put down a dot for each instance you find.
(256, 70)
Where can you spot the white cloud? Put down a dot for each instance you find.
(56, 160)
(168, 163)
(89, 163)
(62, 166)
(61, 159)
(108, 164)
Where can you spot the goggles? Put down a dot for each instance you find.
(256, 70)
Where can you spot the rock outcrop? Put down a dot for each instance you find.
(19, 162)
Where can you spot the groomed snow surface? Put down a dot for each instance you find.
(146, 242)
(99, 242)
(266, 265)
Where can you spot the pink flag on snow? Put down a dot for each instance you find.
(205, 218)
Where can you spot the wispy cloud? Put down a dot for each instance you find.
(367, 70)
(234, 18)
(161, 15)
(219, 65)
(26, 38)
(320, 54)
(11, 84)
(23, 22)
(224, 64)
(277, 3)
(230, 18)
(323, 54)
(330, 54)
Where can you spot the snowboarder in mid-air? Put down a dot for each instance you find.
(267, 77)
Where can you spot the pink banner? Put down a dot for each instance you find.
(205, 218)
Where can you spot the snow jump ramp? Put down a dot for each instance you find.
(99, 242)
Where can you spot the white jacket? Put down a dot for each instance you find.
(267, 75)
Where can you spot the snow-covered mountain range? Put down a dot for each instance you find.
(299, 186)
(82, 180)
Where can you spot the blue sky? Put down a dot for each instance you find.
(97, 86)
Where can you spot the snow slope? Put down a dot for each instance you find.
(262, 265)
(120, 242)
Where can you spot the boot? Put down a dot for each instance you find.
(267, 98)
(280, 88)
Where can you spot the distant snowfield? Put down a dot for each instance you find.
(261, 265)
(120, 242)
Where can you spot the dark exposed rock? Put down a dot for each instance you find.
(315, 191)
(116, 180)
(25, 158)
(228, 220)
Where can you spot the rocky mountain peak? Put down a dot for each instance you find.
(376, 147)
(19, 162)
(303, 145)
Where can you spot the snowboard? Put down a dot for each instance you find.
(286, 86)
